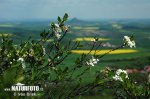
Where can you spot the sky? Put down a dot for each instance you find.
(83, 9)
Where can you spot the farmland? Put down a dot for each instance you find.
(109, 32)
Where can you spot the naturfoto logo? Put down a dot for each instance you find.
(22, 87)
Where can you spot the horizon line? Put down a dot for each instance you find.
(55, 19)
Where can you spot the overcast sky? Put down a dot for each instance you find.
(84, 9)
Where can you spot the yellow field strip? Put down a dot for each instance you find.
(4, 34)
(90, 39)
(100, 52)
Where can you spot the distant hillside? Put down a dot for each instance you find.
(77, 21)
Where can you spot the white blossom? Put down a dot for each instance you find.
(57, 25)
(119, 74)
(21, 59)
(57, 31)
(58, 35)
(22, 62)
(57, 28)
(116, 77)
(10, 62)
(129, 42)
(92, 61)
(44, 51)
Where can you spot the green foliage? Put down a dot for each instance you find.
(65, 17)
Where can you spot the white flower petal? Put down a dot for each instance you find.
(57, 25)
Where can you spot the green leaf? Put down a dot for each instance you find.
(59, 19)
(65, 17)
